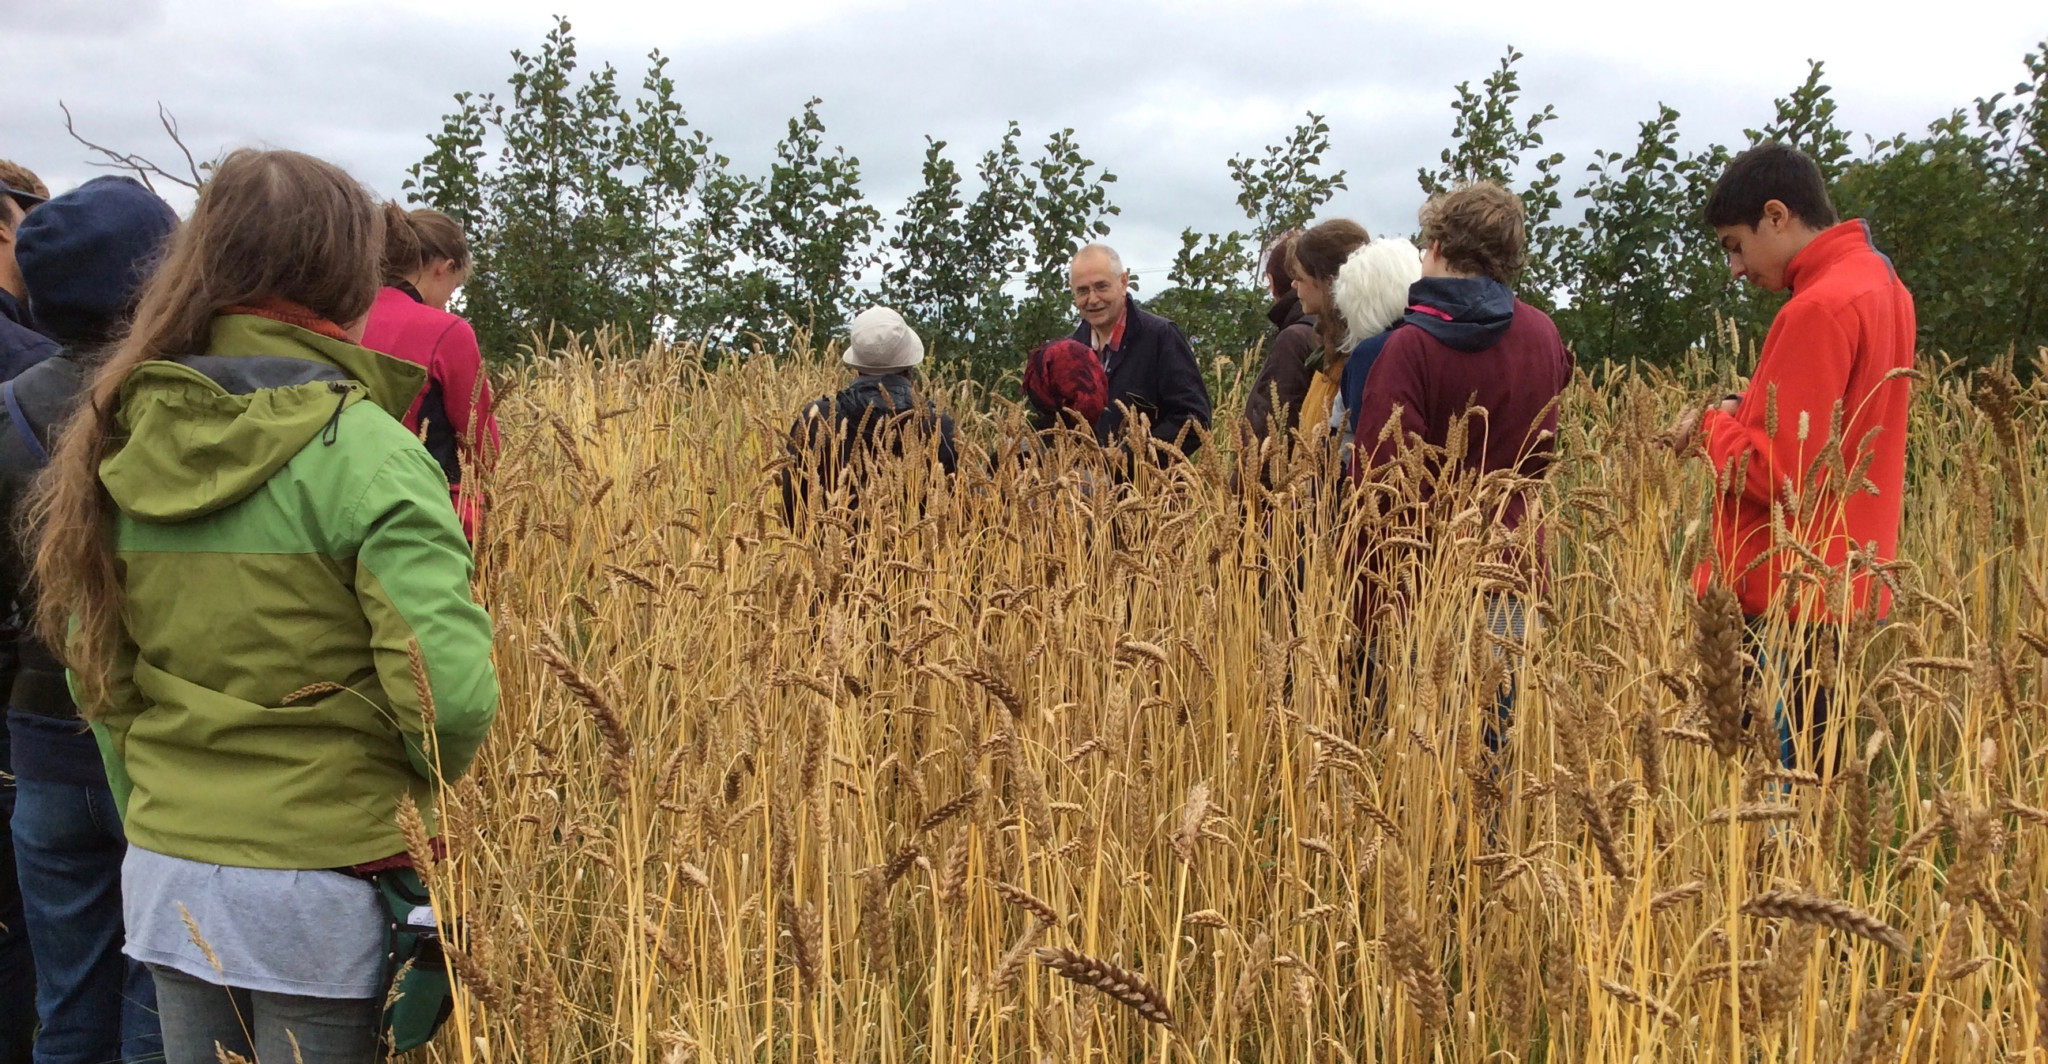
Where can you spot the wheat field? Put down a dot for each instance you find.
(1015, 767)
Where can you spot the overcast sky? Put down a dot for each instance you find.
(1161, 93)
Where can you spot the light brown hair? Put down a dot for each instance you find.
(269, 224)
(1318, 253)
(1477, 229)
(416, 238)
(21, 179)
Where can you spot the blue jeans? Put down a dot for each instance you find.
(97, 1006)
(17, 964)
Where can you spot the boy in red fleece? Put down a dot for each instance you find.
(1840, 348)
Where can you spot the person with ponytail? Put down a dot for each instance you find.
(426, 258)
(263, 599)
(1313, 261)
(1283, 380)
(1356, 288)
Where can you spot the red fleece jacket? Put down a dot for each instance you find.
(1832, 351)
(455, 407)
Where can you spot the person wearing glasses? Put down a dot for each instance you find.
(1152, 370)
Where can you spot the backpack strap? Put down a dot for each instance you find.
(21, 425)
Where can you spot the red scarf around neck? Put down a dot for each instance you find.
(278, 308)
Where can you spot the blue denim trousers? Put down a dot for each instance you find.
(96, 1005)
(17, 964)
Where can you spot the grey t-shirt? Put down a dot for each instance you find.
(309, 933)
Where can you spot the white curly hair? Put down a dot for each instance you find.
(1371, 289)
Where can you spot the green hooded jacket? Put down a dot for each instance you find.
(281, 544)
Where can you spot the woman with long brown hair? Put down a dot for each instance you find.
(1356, 287)
(264, 599)
(1313, 260)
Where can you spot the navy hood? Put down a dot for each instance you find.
(1463, 313)
(85, 254)
(873, 398)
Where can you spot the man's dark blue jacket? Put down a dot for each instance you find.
(1152, 372)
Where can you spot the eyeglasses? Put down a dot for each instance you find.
(1099, 288)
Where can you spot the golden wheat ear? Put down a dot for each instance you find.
(1119, 984)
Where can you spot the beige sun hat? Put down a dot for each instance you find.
(882, 342)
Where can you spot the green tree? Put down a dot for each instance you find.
(1963, 213)
(1068, 208)
(986, 278)
(1217, 288)
(930, 280)
(1490, 138)
(812, 230)
(1806, 120)
(1643, 272)
(567, 222)
(672, 159)
(1283, 188)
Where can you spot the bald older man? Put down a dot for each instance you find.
(1152, 370)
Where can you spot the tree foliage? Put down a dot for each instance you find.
(590, 207)
(1217, 287)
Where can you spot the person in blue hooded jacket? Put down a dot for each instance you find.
(83, 258)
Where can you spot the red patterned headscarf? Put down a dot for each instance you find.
(1066, 375)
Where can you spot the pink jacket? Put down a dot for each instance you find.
(455, 408)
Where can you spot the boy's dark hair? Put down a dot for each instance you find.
(1477, 229)
(1767, 172)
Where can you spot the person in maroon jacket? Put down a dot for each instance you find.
(426, 258)
(1468, 350)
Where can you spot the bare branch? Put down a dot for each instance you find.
(142, 168)
(170, 121)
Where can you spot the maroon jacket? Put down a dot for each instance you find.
(1467, 347)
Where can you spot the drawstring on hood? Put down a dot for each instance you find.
(1464, 313)
(332, 431)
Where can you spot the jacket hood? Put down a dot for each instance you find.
(1372, 287)
(85, 254)
(1286, 311)
(199, 434)
(1464, 313)
(880, 395)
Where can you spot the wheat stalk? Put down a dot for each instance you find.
(1649, 1003)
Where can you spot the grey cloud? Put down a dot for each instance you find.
(1161, 98)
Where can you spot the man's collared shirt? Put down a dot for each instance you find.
(1116, 337)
